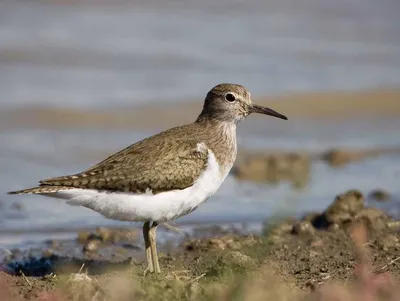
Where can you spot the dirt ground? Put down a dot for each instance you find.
(291, 259)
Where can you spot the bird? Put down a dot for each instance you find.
(165, 176)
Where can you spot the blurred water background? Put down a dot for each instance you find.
(120, 54)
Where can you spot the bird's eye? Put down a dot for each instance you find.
(230, 97)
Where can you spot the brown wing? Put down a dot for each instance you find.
(163, 164)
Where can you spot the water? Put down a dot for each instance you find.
(52, 153)
(123, 54)
(119, 55)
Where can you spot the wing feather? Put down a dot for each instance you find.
(159, 166)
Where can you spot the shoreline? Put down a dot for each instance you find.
(365, 240)
(318, 106)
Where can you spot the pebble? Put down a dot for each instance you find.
(274, 168)
(83, 236)
(379, 195)
(91, 246)
(303, 228)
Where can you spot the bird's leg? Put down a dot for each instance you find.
(153, 247)
(146, 232)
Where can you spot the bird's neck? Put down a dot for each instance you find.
(221, 137)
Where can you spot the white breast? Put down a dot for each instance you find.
(161, 207)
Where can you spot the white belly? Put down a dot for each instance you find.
(161, 207)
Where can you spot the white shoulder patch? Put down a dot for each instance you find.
(202, 148)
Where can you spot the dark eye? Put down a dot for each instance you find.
(230, 97)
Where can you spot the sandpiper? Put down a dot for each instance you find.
(165, 176)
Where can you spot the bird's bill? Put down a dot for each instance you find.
(266, 111)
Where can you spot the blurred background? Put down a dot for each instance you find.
(82, 79)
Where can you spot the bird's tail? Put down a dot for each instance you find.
(40, 190)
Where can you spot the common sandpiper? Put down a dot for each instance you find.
(165, 176)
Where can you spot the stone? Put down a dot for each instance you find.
(83, 236)
(274, 168)
(303, 228)
(91, 246)
(345, 207)
(379, 195)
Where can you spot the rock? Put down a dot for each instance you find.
(79, 277)
(300, 166)
(254, 168)
(125, 235)
(338, 158)
(223, 243)
(227, 242)
(108, 235)
(333, 227)
(389, 241)
(341, 157)
(345, 210)
(104, 234)
(345, 207)
(342, 211)
(80, 286)
(282, 228)
(303, 228)
(379, 195)
(394, 225)
(339, 218)
(91, 246)
(84, 236)
(274, 168)
(278, 232)
(371, 213)
(373, 218)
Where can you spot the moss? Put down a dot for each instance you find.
(230, 263)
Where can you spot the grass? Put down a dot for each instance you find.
(230, 269)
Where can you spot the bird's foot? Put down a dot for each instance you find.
(149, 269)
(157, 270)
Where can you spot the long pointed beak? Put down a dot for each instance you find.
(266, 111)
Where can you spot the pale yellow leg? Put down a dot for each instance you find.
(146, 232)
(153, 247)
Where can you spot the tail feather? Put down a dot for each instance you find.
(41, 190)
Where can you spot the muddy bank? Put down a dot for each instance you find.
(333, 106)
(340, 157)
(348, 243)
(273, 167)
